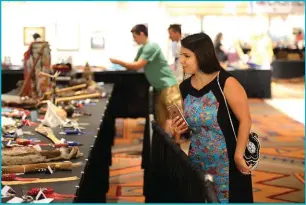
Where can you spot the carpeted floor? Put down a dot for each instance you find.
(280, 174)
(126, 175)
(278, 178)
(287, 93)
(288, 89)
(126, 179)
(296, 112)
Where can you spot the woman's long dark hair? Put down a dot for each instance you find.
(203, 48)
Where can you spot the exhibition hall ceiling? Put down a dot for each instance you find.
(204, 8)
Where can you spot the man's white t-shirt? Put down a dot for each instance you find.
(178, 69)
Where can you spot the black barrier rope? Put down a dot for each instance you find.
(146, 150)
(171, 177)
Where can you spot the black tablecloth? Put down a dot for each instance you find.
(288, 69)
(130, 89)
(276, 50)
(257, 83)
(88, 139)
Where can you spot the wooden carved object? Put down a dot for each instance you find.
(88, 74)
(78, 97)
(17, 101)
(62, 90)
(39, 181)
(27, 168)
(29, 155)
(47, 132)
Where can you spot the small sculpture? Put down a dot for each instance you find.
(88, 74)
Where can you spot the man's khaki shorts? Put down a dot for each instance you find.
(163, 99)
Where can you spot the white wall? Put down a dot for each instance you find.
(116, 20)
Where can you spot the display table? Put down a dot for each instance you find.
(278, 50)
(10, 78)
(92, 136)
(288, 69)
(257, 83)
(131, 87)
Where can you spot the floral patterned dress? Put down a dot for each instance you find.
(213, 143)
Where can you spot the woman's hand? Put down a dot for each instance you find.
(242, 166)
(179, 126)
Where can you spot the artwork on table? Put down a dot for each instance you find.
(67, 36)
(97, 40)
(28, 34)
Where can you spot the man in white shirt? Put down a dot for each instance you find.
(175, 34)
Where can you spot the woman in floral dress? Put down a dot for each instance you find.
(213, 145)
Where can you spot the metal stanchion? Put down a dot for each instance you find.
(151, 116)
(211, 196)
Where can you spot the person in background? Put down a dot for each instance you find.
(158, 73)
(221, 55)
(213, 145)
(175, 34)
(300, 40)
(261, 55)
(299, 36)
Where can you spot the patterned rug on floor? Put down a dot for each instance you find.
(280, 174)
(126, 179)
(278, 178)
(126, 175)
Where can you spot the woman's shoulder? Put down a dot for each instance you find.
(184, 85)
(223, 76)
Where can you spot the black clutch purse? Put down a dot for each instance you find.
(252, 151)
(251, 155)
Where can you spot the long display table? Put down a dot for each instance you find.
(95, 134)
(133, 86)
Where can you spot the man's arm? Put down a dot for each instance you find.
(130, 66)
(146, 55)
